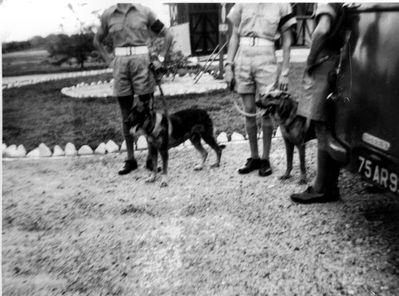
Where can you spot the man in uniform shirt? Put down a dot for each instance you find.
(322, 60)
(129, 25)
(251, 63)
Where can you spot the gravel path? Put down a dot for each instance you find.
(76, 228)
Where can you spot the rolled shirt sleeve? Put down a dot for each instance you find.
(287, 17)
(151, 17)
(234, 15)
(325, 8)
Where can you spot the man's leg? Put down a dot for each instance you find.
(323, 158)
(267, 129)
(125, 104)
(253, 163)
(324, 188)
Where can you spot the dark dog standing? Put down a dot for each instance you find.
(294, 128)
(164, 133)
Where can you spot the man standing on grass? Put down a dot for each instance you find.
(129, 26)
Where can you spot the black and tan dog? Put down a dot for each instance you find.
(294, 128)
(164, 132)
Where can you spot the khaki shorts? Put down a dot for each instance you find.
(313, 104)
(255, 69)
(132, 76)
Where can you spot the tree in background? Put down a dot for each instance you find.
(15, 46)
(62, 48)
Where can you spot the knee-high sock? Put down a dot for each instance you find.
(125, 104)
(252, 131)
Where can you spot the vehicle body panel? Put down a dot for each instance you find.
(367, 111)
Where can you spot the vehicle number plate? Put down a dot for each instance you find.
(378, 173)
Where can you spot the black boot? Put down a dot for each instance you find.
(265, 169)
(251, 165)
(311, 196)
(326, 182)
(130, 165)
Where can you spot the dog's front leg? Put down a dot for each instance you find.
(165, 157)
(289, 150)
(302, 163)
(153, 155)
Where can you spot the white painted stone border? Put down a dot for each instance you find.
(14, 152)
(171, 87)
(38, 78)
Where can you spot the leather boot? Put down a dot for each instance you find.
(129, 165)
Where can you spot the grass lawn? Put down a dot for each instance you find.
(40, 113)
(29, 62)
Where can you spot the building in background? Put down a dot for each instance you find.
(199, 27)
(304, 13)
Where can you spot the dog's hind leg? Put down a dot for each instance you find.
(196, 140)
(210, 140)
(165, 158)
(302, 163)
(289, 150)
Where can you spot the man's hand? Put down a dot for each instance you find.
(157, 64)
(229, 76)
(157, 67)
(283, 82)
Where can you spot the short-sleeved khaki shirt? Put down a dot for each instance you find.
(262, 20)
(130, 28)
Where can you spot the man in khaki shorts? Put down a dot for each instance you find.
(251, 59)
(129, 25)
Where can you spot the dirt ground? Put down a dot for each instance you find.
(74, 227)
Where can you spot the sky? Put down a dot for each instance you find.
(22, 19)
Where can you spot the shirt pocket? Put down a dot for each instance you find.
(247, 20)
(269, 23)
(115, 27)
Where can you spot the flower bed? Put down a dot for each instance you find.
(170, 85)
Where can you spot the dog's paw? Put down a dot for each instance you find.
(150, 179)
(198, 167)
(164, 182)
(215, 165)
(285, 177)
